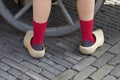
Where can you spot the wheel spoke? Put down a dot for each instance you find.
(65, 12)
(23, 10)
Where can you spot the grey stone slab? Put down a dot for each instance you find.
(15, 65)
(47, 74)
(49, 68)
(15, 72)
(6, 75)
(101, 50)
(35, 76)
(31, 66)
(82, 75)
(115, 60)
(103, 60)
(4, 66)
(115, 49)
(109, 77)
(68, 74)
(116, 71)
(84, 63)
(103, 71)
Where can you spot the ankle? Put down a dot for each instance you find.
(87, 43)
(37, 47)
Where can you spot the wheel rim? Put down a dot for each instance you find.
(51, 31)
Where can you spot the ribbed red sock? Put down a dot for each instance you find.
(39, 31)
(86, 30)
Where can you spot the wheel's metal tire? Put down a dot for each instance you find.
(51, 31)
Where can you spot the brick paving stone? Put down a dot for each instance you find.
(6, 48)
(15, 65)
(47, 54)
(35, 75)
(61, 62)
(71, 40)
(49, 68)
(118, 79)
(23, 77)
(58, 48)
(101, 50)
(68, 74)
(114, 39)
(2, 78)
(48, 61)
(109, 77)
(47, 74)
(60, 68)
(6, 75)
(84, 63)
(54, 52)
(65, 46)
(66, 43)
(115, 60)
(31, 66)
(103, 71)
(73, 55)
(12, 40)
(4, 66)
(15, 47)
(15, 72)
(88, 79)
(11, 56)
(51, 40)
(115, 49)
(26, 57)
(82, 75)
(116, 71)
(70, 60)
(103, 60)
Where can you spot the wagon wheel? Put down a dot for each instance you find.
(63, 18)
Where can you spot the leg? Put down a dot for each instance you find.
(34, 39)
(41, 11)
(85, 9)
(86, 15)
(86, 12)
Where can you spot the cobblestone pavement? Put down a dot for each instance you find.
(63, 61)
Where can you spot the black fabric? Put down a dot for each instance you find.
(87, 44)
(37, 47)
(54, 1)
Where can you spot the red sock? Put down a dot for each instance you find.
(86, 30)
(39, 31)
